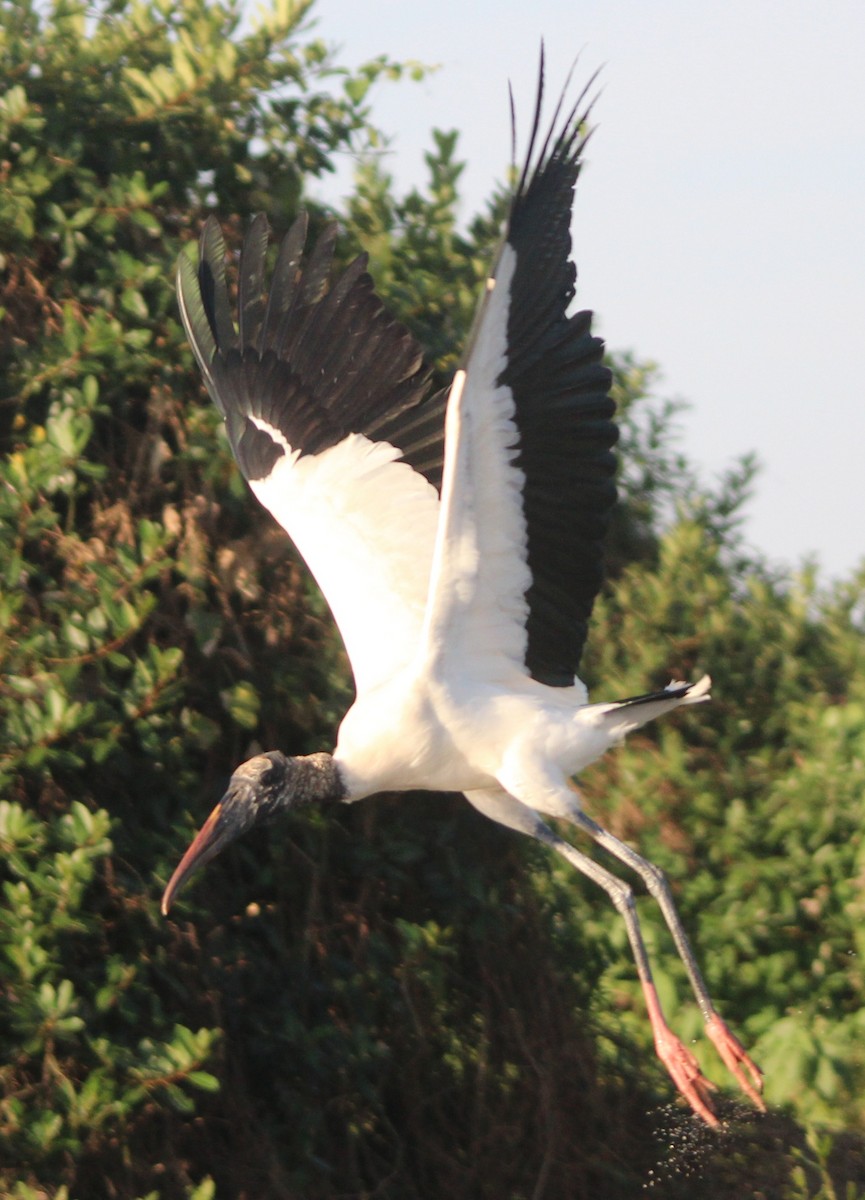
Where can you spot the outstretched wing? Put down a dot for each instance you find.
(528, 478)
(327, 408)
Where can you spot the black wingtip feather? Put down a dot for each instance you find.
(561, 396)
(250, 302)
(214, 289)
(284, 283)
(315, 361)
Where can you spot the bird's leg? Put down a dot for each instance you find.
(679, 1061)
(728, 1046)
(676, 1057)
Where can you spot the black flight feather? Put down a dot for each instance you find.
(316, 361)
(563, 411)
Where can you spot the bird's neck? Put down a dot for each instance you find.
(315, 779)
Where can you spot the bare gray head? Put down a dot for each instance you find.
(258, 789)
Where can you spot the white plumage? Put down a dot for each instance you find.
(356, 512)
(460, 553)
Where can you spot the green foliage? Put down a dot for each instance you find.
(409, 239)
(398, 999)
(762, 792)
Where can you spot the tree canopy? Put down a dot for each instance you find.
(398, 999)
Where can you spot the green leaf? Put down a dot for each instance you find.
(203, 1081)
(356, 88)
(243, 703)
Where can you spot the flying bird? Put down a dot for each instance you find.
(457, 536)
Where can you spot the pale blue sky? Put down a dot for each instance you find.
(719, 221)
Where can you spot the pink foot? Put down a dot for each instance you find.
(733, 1054)
(684, 1072)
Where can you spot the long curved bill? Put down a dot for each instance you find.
(214, 834)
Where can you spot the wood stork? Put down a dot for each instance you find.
(456, 537)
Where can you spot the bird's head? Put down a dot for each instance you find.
(258, 789)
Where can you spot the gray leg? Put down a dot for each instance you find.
(728, 1046)
(679, 1061)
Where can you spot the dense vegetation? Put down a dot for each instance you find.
(396, 1000)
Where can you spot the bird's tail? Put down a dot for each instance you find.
(622, 716)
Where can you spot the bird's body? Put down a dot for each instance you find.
(458, 539)
(428, 731)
